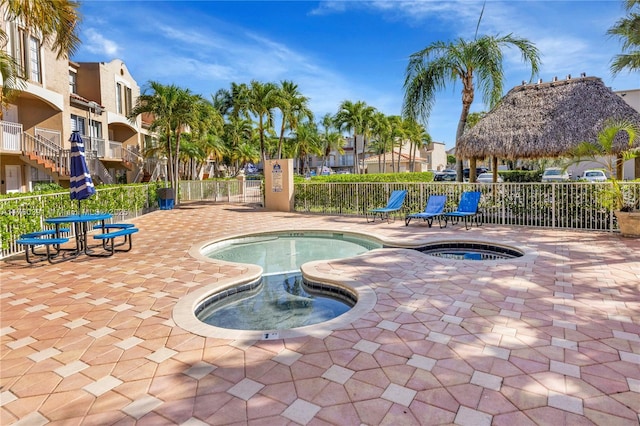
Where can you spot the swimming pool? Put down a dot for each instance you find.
(281, 299)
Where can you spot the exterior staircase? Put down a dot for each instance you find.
(58, 173)
(45, 155)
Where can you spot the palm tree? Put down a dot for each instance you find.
(245, 153)
(306, 142)
(261, 98)
(55, 21)
(206, 128)
(222, 101)
(397, 138)
(174, 110)
(417, 136)
(356, 118)
(628, 31)
(431, 68)
(605, 148)
(214, 149)
(331, 140)
(381, 129)
(237, 131)
(12, 82)
(293, 106)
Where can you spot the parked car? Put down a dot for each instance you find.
(555, 174)
(479, 171)
(488, 178)
(594, 176)
(446, 175)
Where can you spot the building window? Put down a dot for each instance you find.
(128, 102)
(34, 60)
(72, 82)
(25, 50)
(95, 129)
(77, 124)
(119, 98)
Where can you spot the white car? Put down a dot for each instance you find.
(555, 174)
(488, 178)
(594, 176)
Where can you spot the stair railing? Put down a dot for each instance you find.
(47, 150)
(156, 173)
(97, 168)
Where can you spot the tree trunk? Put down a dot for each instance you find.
(356, 163)
(384, 159)
(619, 167)
(494, 169)
(467, 100)
(472, 169)
(393, 158)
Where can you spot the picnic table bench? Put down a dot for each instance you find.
(109, 237)
(32, 242)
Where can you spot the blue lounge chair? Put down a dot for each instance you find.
(394, 204)
(467, 210)
(434, 208)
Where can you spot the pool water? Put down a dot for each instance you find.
(280, 300)
(284, 253)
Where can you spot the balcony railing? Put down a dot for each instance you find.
(11, 137)
(115, 150)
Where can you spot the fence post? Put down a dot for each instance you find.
(241, 186)
(553, 205)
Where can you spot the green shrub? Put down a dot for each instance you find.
(520, 176)
(22, 213)
(47, 187)
(373, 177)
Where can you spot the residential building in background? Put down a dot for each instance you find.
(58, 97)
(431, 156)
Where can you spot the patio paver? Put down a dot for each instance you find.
(550, 338)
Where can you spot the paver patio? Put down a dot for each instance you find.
(550, 338)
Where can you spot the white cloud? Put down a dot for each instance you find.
(97, 44)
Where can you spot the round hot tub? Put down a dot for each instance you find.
(468, 250)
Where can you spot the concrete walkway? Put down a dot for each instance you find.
(550, 338)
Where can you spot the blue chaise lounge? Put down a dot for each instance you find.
(467, 210)
(394, 204)
(433, 209)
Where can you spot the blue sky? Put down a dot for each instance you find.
(342, 50)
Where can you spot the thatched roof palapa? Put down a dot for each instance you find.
(546, 120)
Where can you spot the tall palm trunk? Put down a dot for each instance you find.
(263, 154)
(413, 156)
(384, 158)
(280, 141)
(356, 163)
(169, 169)
(393, 158)
(364, 147)
(467, 100)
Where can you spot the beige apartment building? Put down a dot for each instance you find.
(58, 97)
(431, 156)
